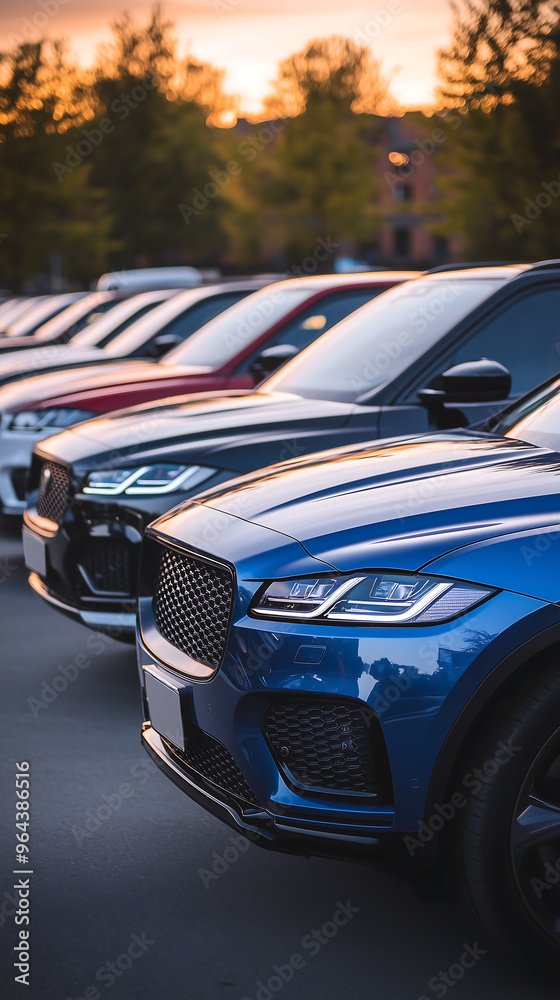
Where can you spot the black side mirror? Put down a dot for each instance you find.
(271, 359)
(481, 381)
(163, 344)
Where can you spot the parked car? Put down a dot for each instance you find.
(359, 382)
(151, 277)
(64, 324)
(61, 329)
(127, 331)
(10, 309)
(234, 350)
(28, 321)
(356, 655)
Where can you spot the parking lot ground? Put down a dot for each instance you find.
(137, 890)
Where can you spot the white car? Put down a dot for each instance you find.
(167, 325)
(34, 317)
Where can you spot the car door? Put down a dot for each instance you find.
(523, 334)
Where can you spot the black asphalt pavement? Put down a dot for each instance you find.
(137, 894)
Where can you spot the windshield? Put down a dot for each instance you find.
(382, 338)
(120, 318)
(535, 419)
(220, 340)
(34, 318)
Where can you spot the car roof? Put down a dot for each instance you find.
(321, 282)
(106, 323)
(500, 271)
(149, 324)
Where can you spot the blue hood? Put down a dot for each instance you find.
(402, 504)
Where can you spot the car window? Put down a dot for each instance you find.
(383, 338)
(222, 338)
(125, 324)
(524, 336)
(310, 323)
(89, 318)
(194, 317)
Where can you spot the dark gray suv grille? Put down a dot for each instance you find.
(192, 606)
(54, 492)
(322, 743)
(110, 565)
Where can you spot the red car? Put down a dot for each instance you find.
(236, 350)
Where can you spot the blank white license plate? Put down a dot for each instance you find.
(35, 552)
(164, 707)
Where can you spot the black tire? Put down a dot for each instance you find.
(509, 865)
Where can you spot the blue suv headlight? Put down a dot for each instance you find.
(369, 599)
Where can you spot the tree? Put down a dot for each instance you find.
(502, 74)
(497, 45)
(40, 102)
(314, 179)
(158, 150)
(330, 68)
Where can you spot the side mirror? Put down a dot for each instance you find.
(163, 344)
(482, 381)
(271, 359)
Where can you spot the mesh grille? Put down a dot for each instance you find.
(192, 606)
(322, 744)
(54, 491)
(209, 758)
(110, 565)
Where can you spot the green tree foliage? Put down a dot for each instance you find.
(315, 178)
(39, 101)
(502, 74)
(158, 148)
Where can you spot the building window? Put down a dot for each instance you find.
(441, 249)
(403, 192)
(402, 241)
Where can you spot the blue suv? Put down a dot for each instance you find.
(357, 655)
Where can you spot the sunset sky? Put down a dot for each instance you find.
(247, 38)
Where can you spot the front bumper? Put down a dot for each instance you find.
(411, 683)
(88, 565)
(262, 826)
(118, 624)
(16, 451)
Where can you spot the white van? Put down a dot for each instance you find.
(147, 278)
